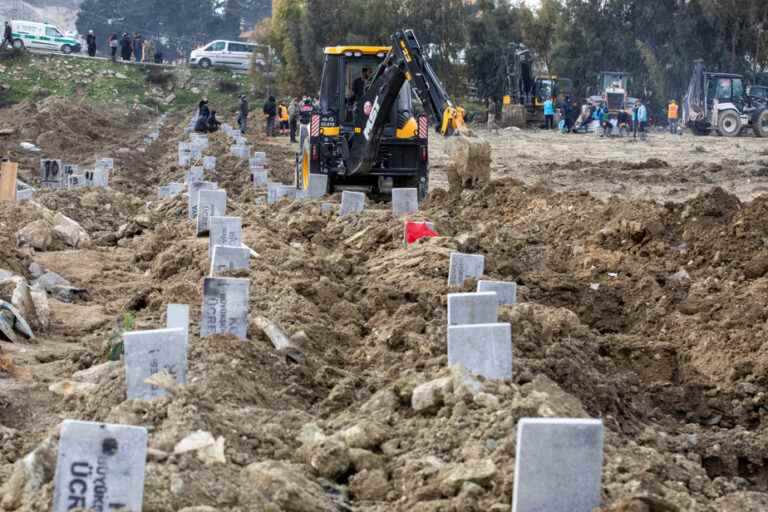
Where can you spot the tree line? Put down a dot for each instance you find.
(657, 41)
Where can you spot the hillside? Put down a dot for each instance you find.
(59, 12)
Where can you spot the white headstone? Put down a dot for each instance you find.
(259, 178)
(240, 150)
(100, 467)
(194, 174)
(211, 203)
(150, 352)
(225, 306)
(465, 266)
(194, 195)
(171, 190)
(52, 174)
(209, 163)
(226, 231)
(318, 186)
(107, 164)
(229, 258)
(404, 201)
(100, 177)
(506, 292)
(484, 349)
(24, 194)
(327, 208)
(177, 317)
(185, 154)
(472, 308)
(351, 203)
(559, 465)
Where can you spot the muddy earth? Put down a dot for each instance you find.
(643, 282)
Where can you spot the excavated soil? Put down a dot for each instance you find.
(648, 313)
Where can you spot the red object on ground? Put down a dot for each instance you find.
(415, 231)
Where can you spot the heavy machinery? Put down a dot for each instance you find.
(717, 102)
(365, 136)
(613, 91)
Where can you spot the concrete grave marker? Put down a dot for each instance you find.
(259, 178)
(465, 266)
(327, 208)
(275, 191)
(194, 189)
(226, 231)
(76, 181)
(107, 164)
(484, 349)
(240, 150)
(177, 317)
(171, 190)
(404, 201)
(194, 174)
(24, 194)
(229, 258)
(225, 306)
(150, 352)
(210, 203)
(318, 186)
(559, 465)
(472, 308)
(52, 173)
(506, 292)
(100, 467)
(209, 163)
(351, 203)
(185, 154)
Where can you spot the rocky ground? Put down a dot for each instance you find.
(643, 293)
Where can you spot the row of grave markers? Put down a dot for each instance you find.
(558, 463)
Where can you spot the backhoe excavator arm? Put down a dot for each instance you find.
(405, 61)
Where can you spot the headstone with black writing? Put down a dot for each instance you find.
(465, 266)
(171, 190)
(404, 201)
(150, 352)
(226, 231)
(209, 163)
(225, 306)
(259, 178)
(194, 174)
(194, 189)
(229, 258)
(351, 203)
(100, 467)
(185, 154)
(211, 203)
(100, 177)
(52, 174)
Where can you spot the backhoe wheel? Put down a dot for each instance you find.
(760, 123)
(729, 124)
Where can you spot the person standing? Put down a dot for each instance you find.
(673, 111)
(270, 113)
(282, 110)
(491, 114)
(7, 35)
(113, 47)
(147, 51)
(549, 113)
(125, 46)
(293, 115)
(242, 118)
(90, 42)
(138, 46)
(639, 119)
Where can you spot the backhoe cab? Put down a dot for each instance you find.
(718, 102)
(365, 135)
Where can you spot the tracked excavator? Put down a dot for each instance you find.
(365, 136)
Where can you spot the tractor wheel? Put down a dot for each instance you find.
(729, 124)
(760, 123)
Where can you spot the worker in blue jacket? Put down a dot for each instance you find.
(549, 113)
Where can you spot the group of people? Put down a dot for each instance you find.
(208, 123)
(136, 47)
(286, 117)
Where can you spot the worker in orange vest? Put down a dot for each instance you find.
(672, 116)
(282, 114)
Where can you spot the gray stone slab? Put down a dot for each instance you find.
(259, 156)
(506, 291)
(327, 208)
(185, 154)
(107, 164)
(194, 174)
(210, 203)
(225, 231)
(225, 306)
(404, 201)
(150, 352)
(318, 186)
(472, 308)
(351, 203)
(229, 258)
(277, 191)
(259, 178)
(559, 465)
(24, 194)
(465, 266)
(100, 467)
(50, 279)
(177, 317)
(76, 181)
(97, 178)
(194, 189)
(484, 349)
(171, 190)
(52, 174)
(209, 163)
(240, 150)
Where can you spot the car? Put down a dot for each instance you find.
(42, 36)
(227, 54)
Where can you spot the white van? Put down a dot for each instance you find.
(42, 36)
(228, 54)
